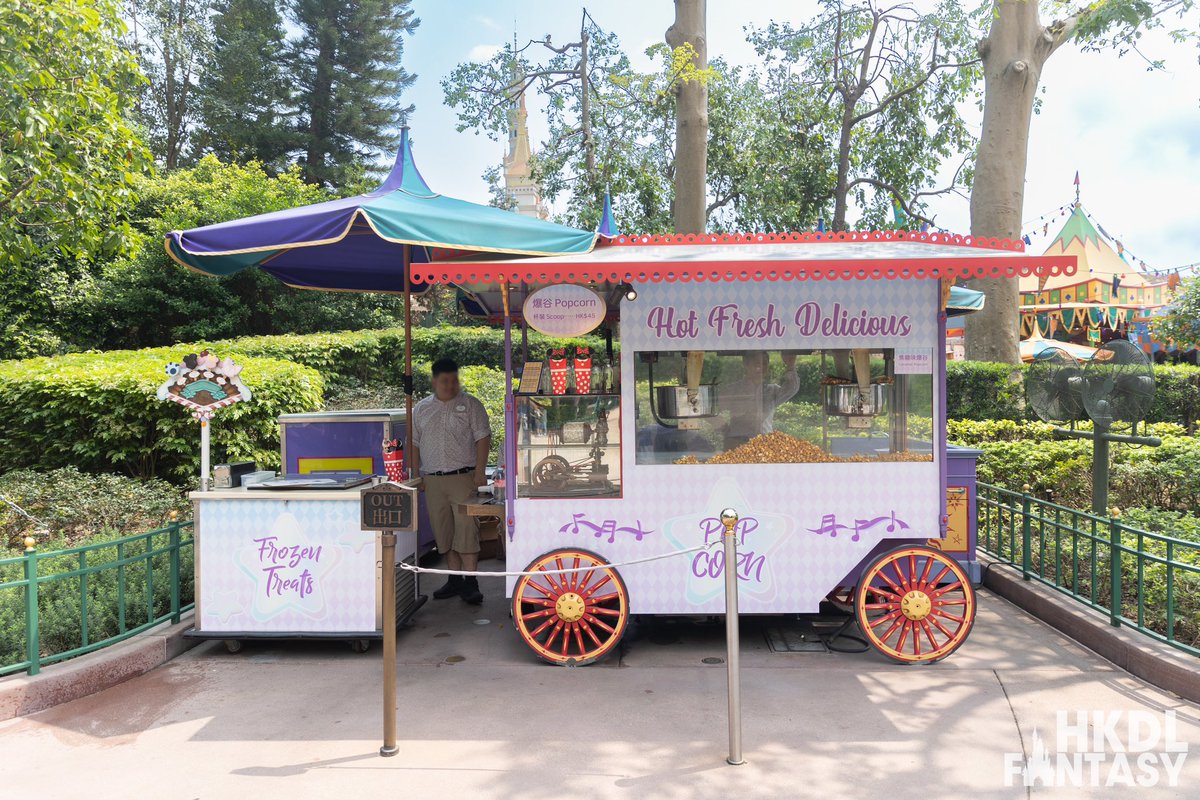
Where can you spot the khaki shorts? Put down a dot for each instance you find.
(452, 530)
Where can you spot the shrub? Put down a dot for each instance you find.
(973, 433)
(98, 412)
(59, 606)
(75, 506)
(982, 390)
(1177, 395)
(484, 382)
(376, 357)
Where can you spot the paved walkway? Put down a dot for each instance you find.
(302, 720)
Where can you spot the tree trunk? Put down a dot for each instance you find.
(585, 109)
(691, 122)
(841, 191)
(1016, 48)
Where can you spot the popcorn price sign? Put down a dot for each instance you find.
(564, 310)
(914, 360)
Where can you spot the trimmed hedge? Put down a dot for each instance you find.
(377, 356)
(981, 390)
(98, 412)
(1019, 453)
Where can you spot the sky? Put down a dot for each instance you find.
(1133, 134)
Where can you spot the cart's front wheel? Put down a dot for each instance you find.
(915, 604)
(571, 618)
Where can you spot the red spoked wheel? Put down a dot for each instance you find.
(572, 618)
(915, 604)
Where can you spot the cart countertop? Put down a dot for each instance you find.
(242, 493)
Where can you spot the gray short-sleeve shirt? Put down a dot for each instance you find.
(446, 432)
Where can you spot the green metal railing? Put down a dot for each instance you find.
(59, 604)
(1147, 581)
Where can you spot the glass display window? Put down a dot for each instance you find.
(784, 407)
(569, 445)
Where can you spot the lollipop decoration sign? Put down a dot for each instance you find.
(202, 384)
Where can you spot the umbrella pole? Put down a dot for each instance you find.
(408, 377)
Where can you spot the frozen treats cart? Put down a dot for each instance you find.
(293, 563)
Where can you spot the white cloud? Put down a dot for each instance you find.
(483, 52)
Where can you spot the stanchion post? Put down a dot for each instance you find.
(729, 518)
(205, 469)
(389, 644)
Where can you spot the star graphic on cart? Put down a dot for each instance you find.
(223, 606)
(288, 569)
(758, 534)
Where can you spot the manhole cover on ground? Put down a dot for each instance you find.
(455, 659)
(712, 660)
(794, 639)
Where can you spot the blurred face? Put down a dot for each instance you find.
(445, 386)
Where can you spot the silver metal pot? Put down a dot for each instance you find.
(848, 401)
(672, 401)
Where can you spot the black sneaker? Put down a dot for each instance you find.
(469, 590)
(454, 586)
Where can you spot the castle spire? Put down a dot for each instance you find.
(518, 172)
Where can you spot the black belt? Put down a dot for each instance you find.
(452, 472)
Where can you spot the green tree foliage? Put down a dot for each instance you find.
(244, 94)
(775, 135)
(611, 127)
(1181, 325)
(882, 86)
(68, 158)
(172, 40)
(769, 167)
(147, 299)
(347, 70)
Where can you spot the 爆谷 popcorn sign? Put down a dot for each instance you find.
(564, 310)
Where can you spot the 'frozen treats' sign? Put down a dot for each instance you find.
(564, 310)
(728, 320)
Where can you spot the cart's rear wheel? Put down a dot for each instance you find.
(571, 618)
(915, 604)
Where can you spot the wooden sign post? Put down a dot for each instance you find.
(389, 507)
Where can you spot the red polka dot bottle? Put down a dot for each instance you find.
(393, 460)
(583, 370)
(558, 370)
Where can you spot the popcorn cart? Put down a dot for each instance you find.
(797, 379)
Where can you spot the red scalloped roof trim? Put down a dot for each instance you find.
(748, 270)
(813, 237)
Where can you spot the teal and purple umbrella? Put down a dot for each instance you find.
(362, 243)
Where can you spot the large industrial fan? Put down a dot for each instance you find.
(1053, 385)
(1116, 386)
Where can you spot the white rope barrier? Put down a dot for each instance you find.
(477, 574)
